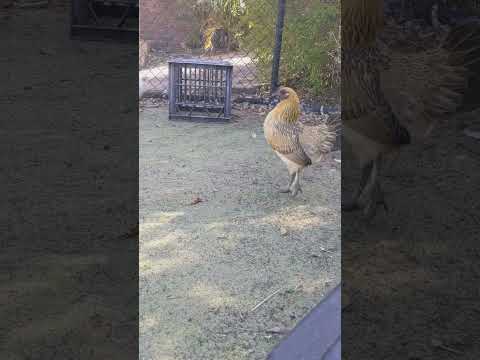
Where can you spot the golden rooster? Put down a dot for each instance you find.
(389, 97)
(293, 141)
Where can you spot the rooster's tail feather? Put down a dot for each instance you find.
(318, 140)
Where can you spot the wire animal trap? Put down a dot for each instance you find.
(105, 19)
(200, 89)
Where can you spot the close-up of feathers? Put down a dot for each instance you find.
(395, 89)
(298, 145)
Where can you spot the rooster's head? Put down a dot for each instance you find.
(285, 93)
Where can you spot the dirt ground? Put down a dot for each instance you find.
(417, 266)
(204, 266)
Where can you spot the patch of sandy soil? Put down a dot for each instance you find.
(216, 238)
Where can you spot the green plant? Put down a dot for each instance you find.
(310, 58)
(214, 17)
(309, 49)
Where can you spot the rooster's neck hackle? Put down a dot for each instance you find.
(289, 109)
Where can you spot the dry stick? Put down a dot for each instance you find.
(265, 300)
(33, 4)
(281, 331)
(446, 348)
(440, 345)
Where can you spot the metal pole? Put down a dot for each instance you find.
(278, 45)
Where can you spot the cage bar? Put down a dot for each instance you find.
(200, 89)
(104, 19)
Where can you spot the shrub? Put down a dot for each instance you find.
(310, 57)
(217, 22)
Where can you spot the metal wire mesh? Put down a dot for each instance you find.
(244, 33)
(164, 38)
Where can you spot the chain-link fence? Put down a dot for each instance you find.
(244, 33)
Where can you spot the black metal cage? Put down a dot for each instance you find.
(105, 19)
(200, 89)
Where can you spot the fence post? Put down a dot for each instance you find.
(278, 45)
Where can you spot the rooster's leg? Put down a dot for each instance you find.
(353, 203)
(287, 189)
(296, 184)
(381, 198)
(372, 194)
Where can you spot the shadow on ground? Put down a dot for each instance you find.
(410, 268)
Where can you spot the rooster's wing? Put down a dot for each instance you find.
(283, 137)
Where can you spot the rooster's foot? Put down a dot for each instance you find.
(296, 189)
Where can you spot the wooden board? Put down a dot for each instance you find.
(317, 336)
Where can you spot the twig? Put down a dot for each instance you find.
(446, 348)
(438, 344)
(327, 251)
(265, 300)
(277, 330)
(32, 5)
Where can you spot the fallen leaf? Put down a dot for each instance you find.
(195, 201)
(132, 233)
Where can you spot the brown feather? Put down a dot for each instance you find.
(318, 140)
(361, 22)
(283, 137)
(422, 87)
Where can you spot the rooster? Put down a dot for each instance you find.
(293, 141)
(390, 97)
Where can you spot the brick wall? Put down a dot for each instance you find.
(164, 24)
